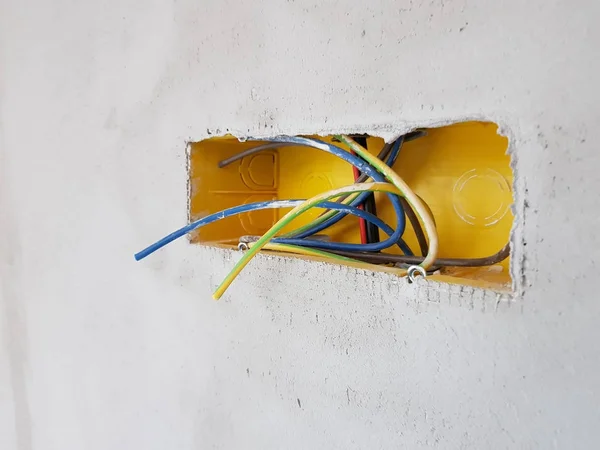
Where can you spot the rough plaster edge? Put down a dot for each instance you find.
(386, 131)
(390, 132)
(517, 260)
(188, 175)
(423, 292)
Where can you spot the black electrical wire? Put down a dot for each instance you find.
(410, 214)
(384, 258)
(385, 151)
(387, 148)
(369, 202)
(382, 155)
(418, 229)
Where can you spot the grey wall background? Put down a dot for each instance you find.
(97, 102)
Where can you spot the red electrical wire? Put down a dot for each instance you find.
(361, 222)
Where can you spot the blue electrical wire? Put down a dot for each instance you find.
(298, 240)
(393, 156)
(365, 168)
(359, 200)
(356, 202)
(258, 206)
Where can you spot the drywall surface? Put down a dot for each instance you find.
(97, 102)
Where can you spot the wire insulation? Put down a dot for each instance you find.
(298, 250)
(366, 168)
(371, 171)
(252, 151)
(305, 206)
(410, 196)
(389, 151)
(386, 258)
(253, 207)
(362, 224)
(369, 205)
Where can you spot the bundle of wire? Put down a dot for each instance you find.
(350, 200)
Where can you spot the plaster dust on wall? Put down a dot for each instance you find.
(97, 103)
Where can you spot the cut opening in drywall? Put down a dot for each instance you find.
(461, 172)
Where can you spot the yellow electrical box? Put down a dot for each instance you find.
(462, 172)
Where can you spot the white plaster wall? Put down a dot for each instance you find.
(97, 101)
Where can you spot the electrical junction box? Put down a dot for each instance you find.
(461, 171)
